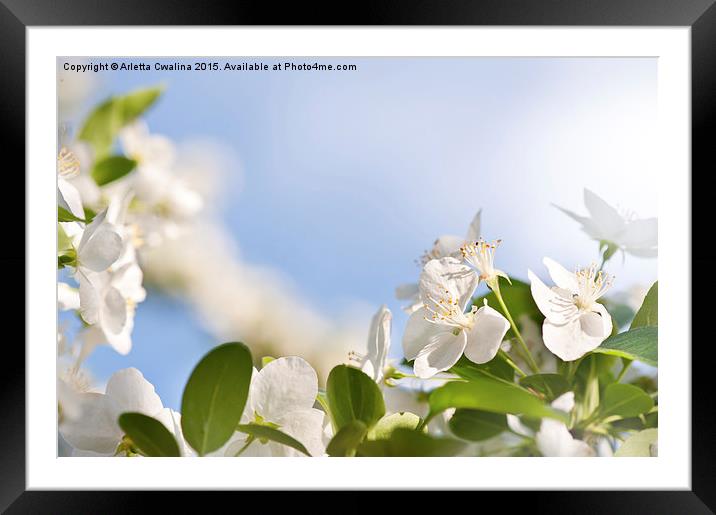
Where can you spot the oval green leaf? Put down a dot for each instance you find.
(408, 443)
(477, 425)
(215, 396)
(640, 344)
(112, 168)
(103, 124)
(386, 425)
(261, 432)
(625, 400)
(353, 395)
(648, 314)
(487, 394)
(346, 441)
(149, 435)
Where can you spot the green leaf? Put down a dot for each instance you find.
(648, 314)
(489, 395)
(408, 443)
(65, 216)
(262, 432)
(625, 400)
(103, 124)
(497, 367)
(641, 444)
(353, 395)
(640, 344)
(112, 168)
(550, 385)
(215, 396)
(149, 435)
(386, 425)
(477, 425)
(347, 439)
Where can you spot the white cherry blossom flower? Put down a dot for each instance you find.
(480, 255)
(575, 323)
(375, 362)
(96, 431)
(282, 395)
(444, 246)
(554, 439)
(437, 334)
(637, 236)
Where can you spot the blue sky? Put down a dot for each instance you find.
(342, 179)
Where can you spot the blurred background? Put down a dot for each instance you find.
(322, 189)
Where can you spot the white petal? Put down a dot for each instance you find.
(605, 217)
(473, 232)
(448, 274)
(554, 440)
(564, 402)
(484, 340)
(113, 311)
(418, 332)
(442, 352)
(561, 276)
(379, 342)
(285, 384)
(304, 425)
(555, 305)
(568, 341)
(641, 234)
(132, 392)
(90, 296)
(100, 246)
(96, 428)
(447, 245)
(67, 297)
(69, 198)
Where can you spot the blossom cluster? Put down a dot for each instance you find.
(526, 369)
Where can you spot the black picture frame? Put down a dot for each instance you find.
(700, 15)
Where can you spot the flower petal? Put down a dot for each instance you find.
(100, 246)
(568, 341)
(379, 342)
(564, 402)
(641, 234)
(555, 305)
(561, 276)
(554, 440)
(285, 384)
(304, 425)
(607, 219)
(448, 275)
(484, 340)
(132, 392)
(418, 332)
(69, 198)
(442, 352)
(96, 429)
(473, 232)
(445, 246)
